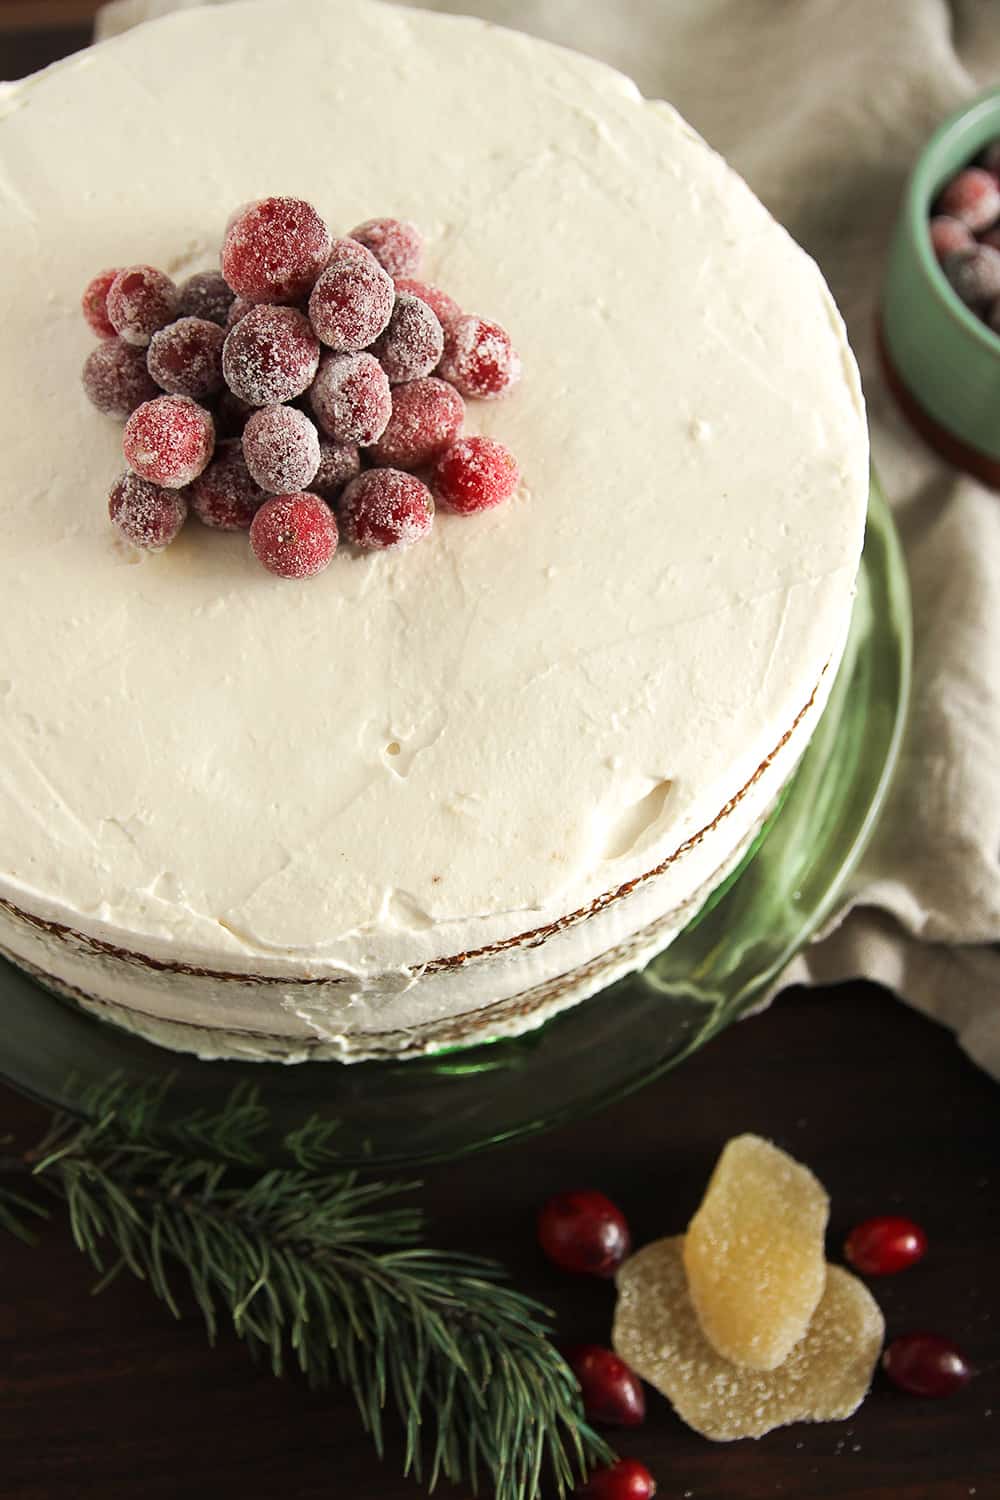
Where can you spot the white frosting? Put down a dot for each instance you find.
(197, 758)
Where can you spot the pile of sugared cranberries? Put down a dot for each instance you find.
(965, 235)
(312, 390)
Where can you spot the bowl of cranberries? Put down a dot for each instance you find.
(940, 315)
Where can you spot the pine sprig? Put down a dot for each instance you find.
(321, 1270)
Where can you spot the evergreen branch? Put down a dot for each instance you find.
(323, 1271)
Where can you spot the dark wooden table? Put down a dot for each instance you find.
(110, 1397)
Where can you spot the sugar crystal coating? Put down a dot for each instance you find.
(274, 249)
(445, 307)
(145, 514)
(973, 196)
(395, 243)
(974, 275)
(185, 358)
(281, 448)
(94, 303)
(225, 496)
(339, 463)
(479, 359)
(141, 299)
(754, 1253)
(824, 1378)
(207, 295)
(169, 441)
(294, 536)
(238, 308)
(948, 235)
(270, 356)
(386, 508)
(426, 418)
(474, 474)
(116, 379)
(350, 398)
(351, 303)
(413, 341)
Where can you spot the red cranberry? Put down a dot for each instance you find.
(925, 1364)
(294, 536)
(206, 295)
(350, 398)
(351, 303)
(395, 244)
(974, 275)
(583, 1232)
(270, 356)
(146, 515)
(948, 235)
(612, 1393)
(116, 379)
(474, 474)
(628, 1479)
(479, 359)
(274, 250)
(185, 358)
(169, 441)
(349, 249)
(224, 496)
(339, 463)
(413, 342)
(281, 448)
(972, 196)
(238, 308)
(427, 416)
(95, 304)
(444, 307)
(141, 300)
(386, 508)
(882, 1246)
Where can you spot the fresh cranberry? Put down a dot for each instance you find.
(427, 416)
(95, 304)
(583, 1232)
(446, 308)
(479, 359)
(628, 1479)
(224, 496)
(185, 358)
(274, 249)
(141, 300)
(294, 536)
(474, 474)
(116, 379)
(281, 448)
(270, 356)
(395, 244)
(351, 303)
(146, 515)
(412, 343)
(386, 508)
(339, 463)
(948, 235)
(238, 308)
(925, 1364)
(350, 398)
(169, 441)
(882, 1246)
(974, 275)
(612, 1393)
(972, 196)
(206, 295)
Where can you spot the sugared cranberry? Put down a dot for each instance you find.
(628, 1479)
(612, 1393)
(925, 1364)
(882, 1246)
(427, 416)
(479, 359)
(270, 356)
(948, 235)
(385, 508)
(339, 463)
(352, 249)
(206, 295)
(412, 343)
(974, 275)
(146, 515)
(350, 398)
(281, 448)
(116, 379)
(141, 300)
(972, 196)
(444, 307)
(294, 536)
(474, 474)
(351, 303)
(274, 249)
(583, 1232)
(185, 358)
(95, 304)
(225, 496)
(396, 244)
(169, 441)
(238, 308)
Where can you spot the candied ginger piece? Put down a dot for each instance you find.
(824, 1379)
(754, 1253)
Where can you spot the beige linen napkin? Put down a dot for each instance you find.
(822, 106)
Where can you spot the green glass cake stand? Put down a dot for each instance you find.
(467, 1098)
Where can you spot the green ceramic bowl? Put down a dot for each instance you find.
(940, 355)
